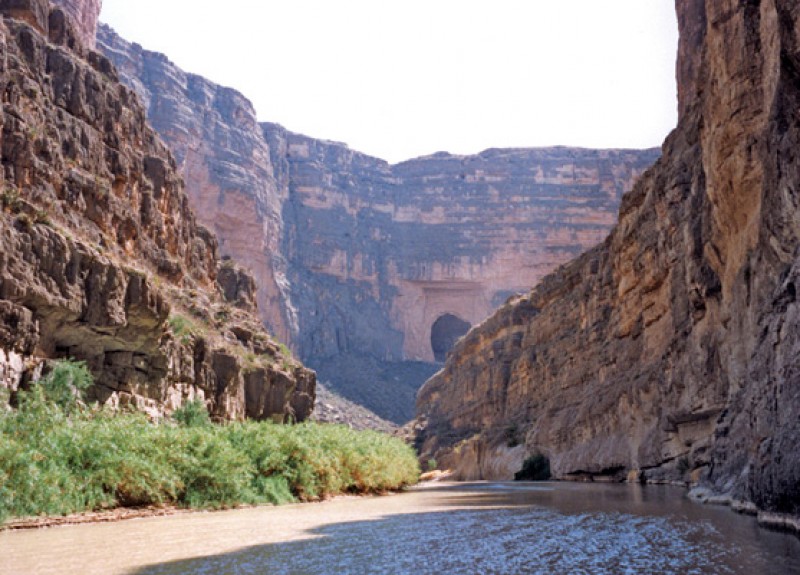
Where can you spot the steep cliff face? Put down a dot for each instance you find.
(371, 271)
(396, 262)
(433, 236)
(223, 158)
(670, 350)
(83, 14)
(101, 258)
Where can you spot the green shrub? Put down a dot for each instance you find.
(192, 414)
(57, 457)
(66, 384)
(42, 217)
(534, 468)
(184, 327)
(9, 199)
(214, 472)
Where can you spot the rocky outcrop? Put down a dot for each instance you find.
(101, 258)
(83, 14)
(333, 408)
(669, 352)
(222, 156)
(371, 271)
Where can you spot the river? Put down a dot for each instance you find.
(480, 528)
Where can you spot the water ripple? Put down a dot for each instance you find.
(530, 541)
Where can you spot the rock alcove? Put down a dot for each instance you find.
(444, 333)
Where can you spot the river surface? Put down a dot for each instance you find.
(480, 528)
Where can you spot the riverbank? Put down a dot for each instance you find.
(62, 459)
(127, 513)
(766, 519)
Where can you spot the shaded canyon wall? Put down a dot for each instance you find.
(670, 351)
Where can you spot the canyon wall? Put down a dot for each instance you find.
(225, 162)
(364, 267)
(670, 351)
(83, 14)
(395, 262)
(101, 258)
(432, 236)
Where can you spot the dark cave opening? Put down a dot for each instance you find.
(444, 333)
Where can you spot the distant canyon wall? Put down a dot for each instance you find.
(383, 252)
(670, 351)
(357, 257)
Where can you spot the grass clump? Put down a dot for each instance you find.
(65, 385)
(10, 200)
(59, 457)
(184, 328)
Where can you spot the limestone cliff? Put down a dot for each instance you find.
(225, 161)
(394, 262)
(83, 14)
(670, 351)
(100, 255)
(371, 271)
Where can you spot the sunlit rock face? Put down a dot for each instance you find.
(356, 259)
(84, 15)
(101, 256)
(670, 351)
(379, 253)
(224, 161)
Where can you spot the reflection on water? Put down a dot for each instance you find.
(493, 528)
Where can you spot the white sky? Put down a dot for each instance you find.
(399, 79)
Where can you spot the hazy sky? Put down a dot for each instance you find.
(398, 79)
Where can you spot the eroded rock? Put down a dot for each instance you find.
(670, 350)
(101, 258)
(355, 259)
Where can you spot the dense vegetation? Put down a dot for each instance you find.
(58, 456)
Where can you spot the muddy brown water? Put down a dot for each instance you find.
(480, 528)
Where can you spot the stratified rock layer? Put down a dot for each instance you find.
(357, 260)
(100, 255)
(671, 350)
(379, 254)
(225, 161)
(438, 235)
(83, 14)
